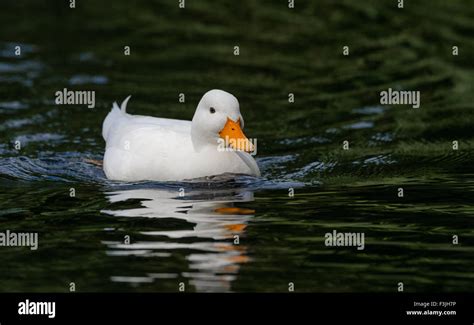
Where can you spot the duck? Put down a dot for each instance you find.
(146, 148)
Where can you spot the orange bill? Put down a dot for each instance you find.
(235, 137)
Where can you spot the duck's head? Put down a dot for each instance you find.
(217, 117)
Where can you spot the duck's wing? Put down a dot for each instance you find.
(144, 147)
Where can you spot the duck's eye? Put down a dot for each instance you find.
(212, 110)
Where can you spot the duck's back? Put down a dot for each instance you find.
(118, 118)
(136, 145)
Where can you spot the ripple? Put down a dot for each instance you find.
(23, 72)
(376, 160)
(18, 123)
(86, 79)
(27, 66)
(13, 105)
(38, 137)
(383, 137)
(315, 166)
(60, 169)
(360, 125)
(304, 140)
(72, 166)
(369, 110)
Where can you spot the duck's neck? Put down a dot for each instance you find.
(200, 139)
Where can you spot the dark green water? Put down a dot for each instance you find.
(300, 145)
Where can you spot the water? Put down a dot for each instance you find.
(190, 238)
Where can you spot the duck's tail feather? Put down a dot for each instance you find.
(111, 118)
(123, 107)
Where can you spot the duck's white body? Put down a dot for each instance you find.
(148, 148)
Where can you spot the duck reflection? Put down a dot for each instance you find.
(210, 246)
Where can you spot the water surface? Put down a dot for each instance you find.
(185, 232)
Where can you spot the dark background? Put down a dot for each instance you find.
(282, 51)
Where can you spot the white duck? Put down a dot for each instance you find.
(150, 148)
